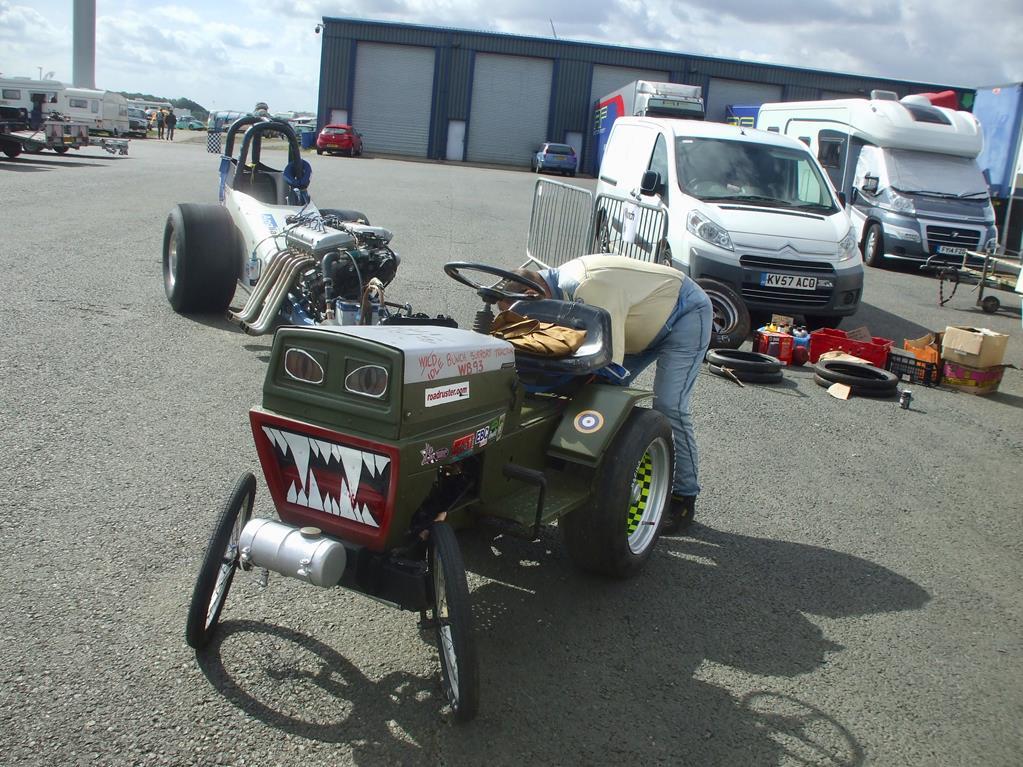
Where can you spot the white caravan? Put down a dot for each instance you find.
(907, 168)
(102, 111)
(17, 93)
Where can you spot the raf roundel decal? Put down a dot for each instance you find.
(589, 421)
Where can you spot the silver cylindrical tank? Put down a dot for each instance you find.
(303, 553)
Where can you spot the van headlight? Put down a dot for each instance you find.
(707, 230)
(902, 204)
(847, 247)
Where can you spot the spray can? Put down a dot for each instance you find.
(905, 397)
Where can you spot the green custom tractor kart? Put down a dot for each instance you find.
(377, 442)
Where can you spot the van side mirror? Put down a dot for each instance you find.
(870, 184)
(853, 195)
(841, 199)
(651, 183)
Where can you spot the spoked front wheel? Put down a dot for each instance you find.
(219, 564)
(452, 614)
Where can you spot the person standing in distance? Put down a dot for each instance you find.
(159, 123)
(171, 120)
(658, 314)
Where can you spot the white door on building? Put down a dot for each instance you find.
(456, 141)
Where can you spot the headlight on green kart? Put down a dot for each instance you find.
(368, 380)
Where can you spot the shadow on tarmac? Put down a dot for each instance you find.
(587, 670)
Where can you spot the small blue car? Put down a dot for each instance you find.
(559, 157)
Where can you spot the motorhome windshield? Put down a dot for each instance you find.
(742, 172)
(937, 175)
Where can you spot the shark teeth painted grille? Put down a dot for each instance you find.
(334, 479)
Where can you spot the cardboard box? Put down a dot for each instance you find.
(776, 344)
(973, 347)
(972, 380)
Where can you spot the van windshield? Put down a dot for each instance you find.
(747, 173)
(936, 175)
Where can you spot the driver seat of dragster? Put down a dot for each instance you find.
(588, 359)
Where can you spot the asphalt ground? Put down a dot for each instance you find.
(851, 595)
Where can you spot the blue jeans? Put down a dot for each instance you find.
(678, 350)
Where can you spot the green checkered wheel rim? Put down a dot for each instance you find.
(648, 496)
(641, 489)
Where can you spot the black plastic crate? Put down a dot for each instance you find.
(908, 368)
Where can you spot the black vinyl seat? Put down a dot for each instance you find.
(594, 354)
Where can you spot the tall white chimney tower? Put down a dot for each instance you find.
(84, 57)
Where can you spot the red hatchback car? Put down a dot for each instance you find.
(339, 138)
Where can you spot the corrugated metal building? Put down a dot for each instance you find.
(451, 94)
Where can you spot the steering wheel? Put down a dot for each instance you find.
(491, 293)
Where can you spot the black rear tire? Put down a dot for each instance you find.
(873, 246)
(60, 149)
(617, 533)
(201, 258)
(452, 614)
(11, 149)
(219, 564)
(731, 317)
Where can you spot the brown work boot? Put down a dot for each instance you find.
(679, 516)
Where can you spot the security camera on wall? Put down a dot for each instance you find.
(317, 28)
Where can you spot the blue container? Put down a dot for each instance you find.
(308, 139)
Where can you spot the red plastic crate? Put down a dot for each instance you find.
(874, 351)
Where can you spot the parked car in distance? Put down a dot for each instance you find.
(190, 123)
(559, 157)
(339, 138)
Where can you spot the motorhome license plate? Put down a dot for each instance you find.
(950, 250)
(797, 282)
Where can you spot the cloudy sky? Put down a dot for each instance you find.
(231, 54)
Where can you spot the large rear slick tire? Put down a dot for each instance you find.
(452, 614)
(731, 317)
(219, 564)
(617, 533)
(201, 259)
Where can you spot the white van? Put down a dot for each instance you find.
(102, 111)
(908, 168)
(751, 215)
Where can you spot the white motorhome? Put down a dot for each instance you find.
(751, 215)
(907, 168)
(102, 111)
(17, 93)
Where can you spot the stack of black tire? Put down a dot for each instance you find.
(864, 380)
(748, 367)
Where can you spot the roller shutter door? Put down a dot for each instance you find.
(510, 101)
(393, 97)
(607, 79)
(723, 93)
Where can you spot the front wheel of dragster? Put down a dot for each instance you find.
(616, 534)
(452, 614)
(219, 564)
(201, 258)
